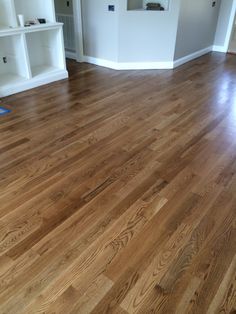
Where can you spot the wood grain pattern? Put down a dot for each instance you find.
(117, 192)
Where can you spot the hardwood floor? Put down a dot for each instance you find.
(118, 192)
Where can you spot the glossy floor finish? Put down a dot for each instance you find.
(118, 192)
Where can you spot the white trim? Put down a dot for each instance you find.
(32, 83)
(78, 27)
(150, 65)
(63, 56)
(101, 62)
(230, 26)
(145, 65)
(71, 55)
(129, 65)
(219, 49)
(77, 12)
(192, 56)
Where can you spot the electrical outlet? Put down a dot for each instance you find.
(4, 59)
(68, 3)
(111, 7)
(213, 4)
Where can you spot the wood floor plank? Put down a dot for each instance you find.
(117, 192)
(222, 296)
(176, 280)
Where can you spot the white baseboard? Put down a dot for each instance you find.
(192, 56)
(101, 62)
(129, 65)
(148, 65)
(219, 49)
(145, 65)
(70, 55)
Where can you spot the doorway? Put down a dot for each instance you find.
(68, 12)
(232, 43)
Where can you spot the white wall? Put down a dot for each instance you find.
(100, 28)
(128, 36)
(223, 25)
(147, 36)
(197, 26)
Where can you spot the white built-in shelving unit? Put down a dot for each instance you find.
(29, 56)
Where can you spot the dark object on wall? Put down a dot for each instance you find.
(154, 6)
(111, 7)
(42, 21)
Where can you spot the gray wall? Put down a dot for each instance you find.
(197, 26)
(223, 22)
(61, 6)
(100, 29)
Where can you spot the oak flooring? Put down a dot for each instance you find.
(118, 192)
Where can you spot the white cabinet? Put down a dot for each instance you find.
(29, 56)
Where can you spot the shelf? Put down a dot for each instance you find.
(134, 4)
(6, 31)
(44, 51)
(41, 70)
(12, 84)
(12, 48)
(140, 5)
(9, 79)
